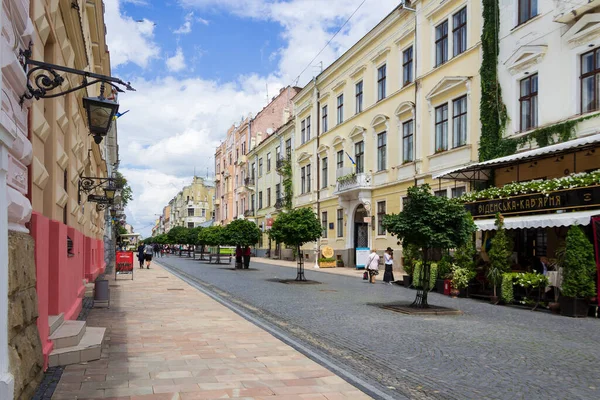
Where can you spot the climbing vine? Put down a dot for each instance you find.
(288, 185)
(553, 134)
(493, 111)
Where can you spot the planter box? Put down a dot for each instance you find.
(407, 279)
(573, 307)
(328, 264)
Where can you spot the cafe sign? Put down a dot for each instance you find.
(537, 202)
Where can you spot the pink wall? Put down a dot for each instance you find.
(60, 276)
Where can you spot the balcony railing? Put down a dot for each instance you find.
(249, 182)
(279, 203)
(349, 181)
(248, 213)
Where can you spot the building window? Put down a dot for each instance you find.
(441, 43)
(237, 154)
(340, 159)
(324, 176)
(359, 154)
(260, 165)
(458, 191)
(303, 131)
(268, 197)
(308, 178)
(340, 109)
(324, 126)
(288, 148)
(277, 153)
(340, 223)
(380, 215)
(528, 102)
(303, 180)
(459, 32)
(204, 212)
(268, 162)
(359, 97)
(381, 78)
(407, 66)
(253, 172)
(441, 128)
(277, 191)
(260, 200)
(381, 151)
(307, 129)
(190, 212)
(253, 200)
(459, 121)
(324, 224)
(441, 193)
(527, 10)
(407, 141)
(243, 148)
(190, 225)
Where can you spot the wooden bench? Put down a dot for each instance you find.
(218, 257)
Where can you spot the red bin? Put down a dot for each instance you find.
(447, 287)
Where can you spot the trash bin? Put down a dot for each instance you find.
(101, 293)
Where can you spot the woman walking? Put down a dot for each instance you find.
(373, 265)
(388, 259)
(140, 251)
(247, 255)
(148, 251)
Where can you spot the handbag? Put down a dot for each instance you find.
(365, 276)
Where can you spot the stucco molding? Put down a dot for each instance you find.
(61, 116)
(338, 141)
(380, 55)
(358, 132)
(39, 173)
(322, 149)
(19, 210)
(17, 175)
(40, 20)
(303, 157)
(584, 30)
(525, 57)
(379, 119)
(358, 72)
(40, 126)
(338, 86)
(61, 157)
(61, 196)
(74, 207)
(405, 107)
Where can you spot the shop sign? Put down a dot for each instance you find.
(124, 263)
(537, 202)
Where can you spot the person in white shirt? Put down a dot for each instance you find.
(373, 265)
(388, 260)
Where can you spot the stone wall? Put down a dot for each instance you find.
(25, 347)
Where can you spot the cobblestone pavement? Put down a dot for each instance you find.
(490, 352)
(168, 341)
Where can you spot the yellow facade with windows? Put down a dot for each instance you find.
(400, 105)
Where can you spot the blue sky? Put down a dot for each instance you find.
(199, 66)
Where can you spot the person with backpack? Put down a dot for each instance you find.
(148, 251)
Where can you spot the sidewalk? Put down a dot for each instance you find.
(168, 341)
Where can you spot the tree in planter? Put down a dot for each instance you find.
(215, 236)
(192, 239)
(295, 228)
(243, 233)
(429, 222)
(578, 271)
(499, 255)
(411, 254)
(178, 235)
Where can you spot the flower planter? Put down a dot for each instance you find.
(573, 307)
(327, 264)
(407, 279)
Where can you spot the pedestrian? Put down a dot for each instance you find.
(148, 250)
(156, 249)
(247, 255)
(162, 250)
(388, 259)
(140, 251)
(238, 257)
(373, 265)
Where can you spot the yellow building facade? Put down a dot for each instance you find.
(397, 107)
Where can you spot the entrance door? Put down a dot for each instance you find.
(361, 230)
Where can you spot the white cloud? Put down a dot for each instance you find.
(176, 123)
(187, 25)
(129, 41)
(176, 63)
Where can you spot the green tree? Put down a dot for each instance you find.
(295, 228)
(429, 222)
(579, 267)
(215, 236)
(499, 254)
(177, 235)
(243, 233)
(126, 191)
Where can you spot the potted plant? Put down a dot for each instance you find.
(460, 280)
(507, 292)
(411, 256)
(578, 274)
(327, 262)
(499, 255)
(444, 271)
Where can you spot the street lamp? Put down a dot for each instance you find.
(101, 113)
(113, 212)
(110, 191)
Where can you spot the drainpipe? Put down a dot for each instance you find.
(318, 186)
(416, 59)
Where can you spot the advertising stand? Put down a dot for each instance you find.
(124, 263)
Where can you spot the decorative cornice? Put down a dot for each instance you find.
(339, 85)
(380, 54)
(358, 71)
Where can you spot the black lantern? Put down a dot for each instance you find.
(110, 191)
(113, 212)
(101, 113)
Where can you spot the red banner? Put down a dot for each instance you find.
(124, 262)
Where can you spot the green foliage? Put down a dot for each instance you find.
(126, 191)
(530, 280)
(177, 235)
(492, 110)
(507, 294)
(296, 227)
(121, 230)
(327, 260)
(288, 184)
(215, 235)
(444, 267)
(499, 254)
(342, 180)
(418, 274)
(581, 179)
(411, 255)
(464, 256)
(243, 233)
(193, 235)
(461, 277)
(160, 239)
(579, 267)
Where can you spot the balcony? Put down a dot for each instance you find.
(242, 160)
(280, 163)
(217, 178)
(349, 182)
(279, 204)
(249, 213)
(217, 202)
(248, 182)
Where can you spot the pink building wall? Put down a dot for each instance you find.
(60, 276)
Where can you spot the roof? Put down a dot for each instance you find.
(481, 171)
(540, 220)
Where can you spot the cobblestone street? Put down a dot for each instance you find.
(490, 352)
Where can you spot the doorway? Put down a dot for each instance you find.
(361, 230)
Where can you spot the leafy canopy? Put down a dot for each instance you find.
(296, 227)
(126, 191)
(243, 232)
(428, 221)
(215, 236)
(579, 267)
(177, 235)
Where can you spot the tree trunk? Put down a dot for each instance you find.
(424, 278)
(300, 274)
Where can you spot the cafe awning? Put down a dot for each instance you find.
(540, 220)
(481, 171)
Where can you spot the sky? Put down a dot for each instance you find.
(199, 66)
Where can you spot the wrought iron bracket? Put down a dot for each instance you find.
(46, 78)
(88, 184)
